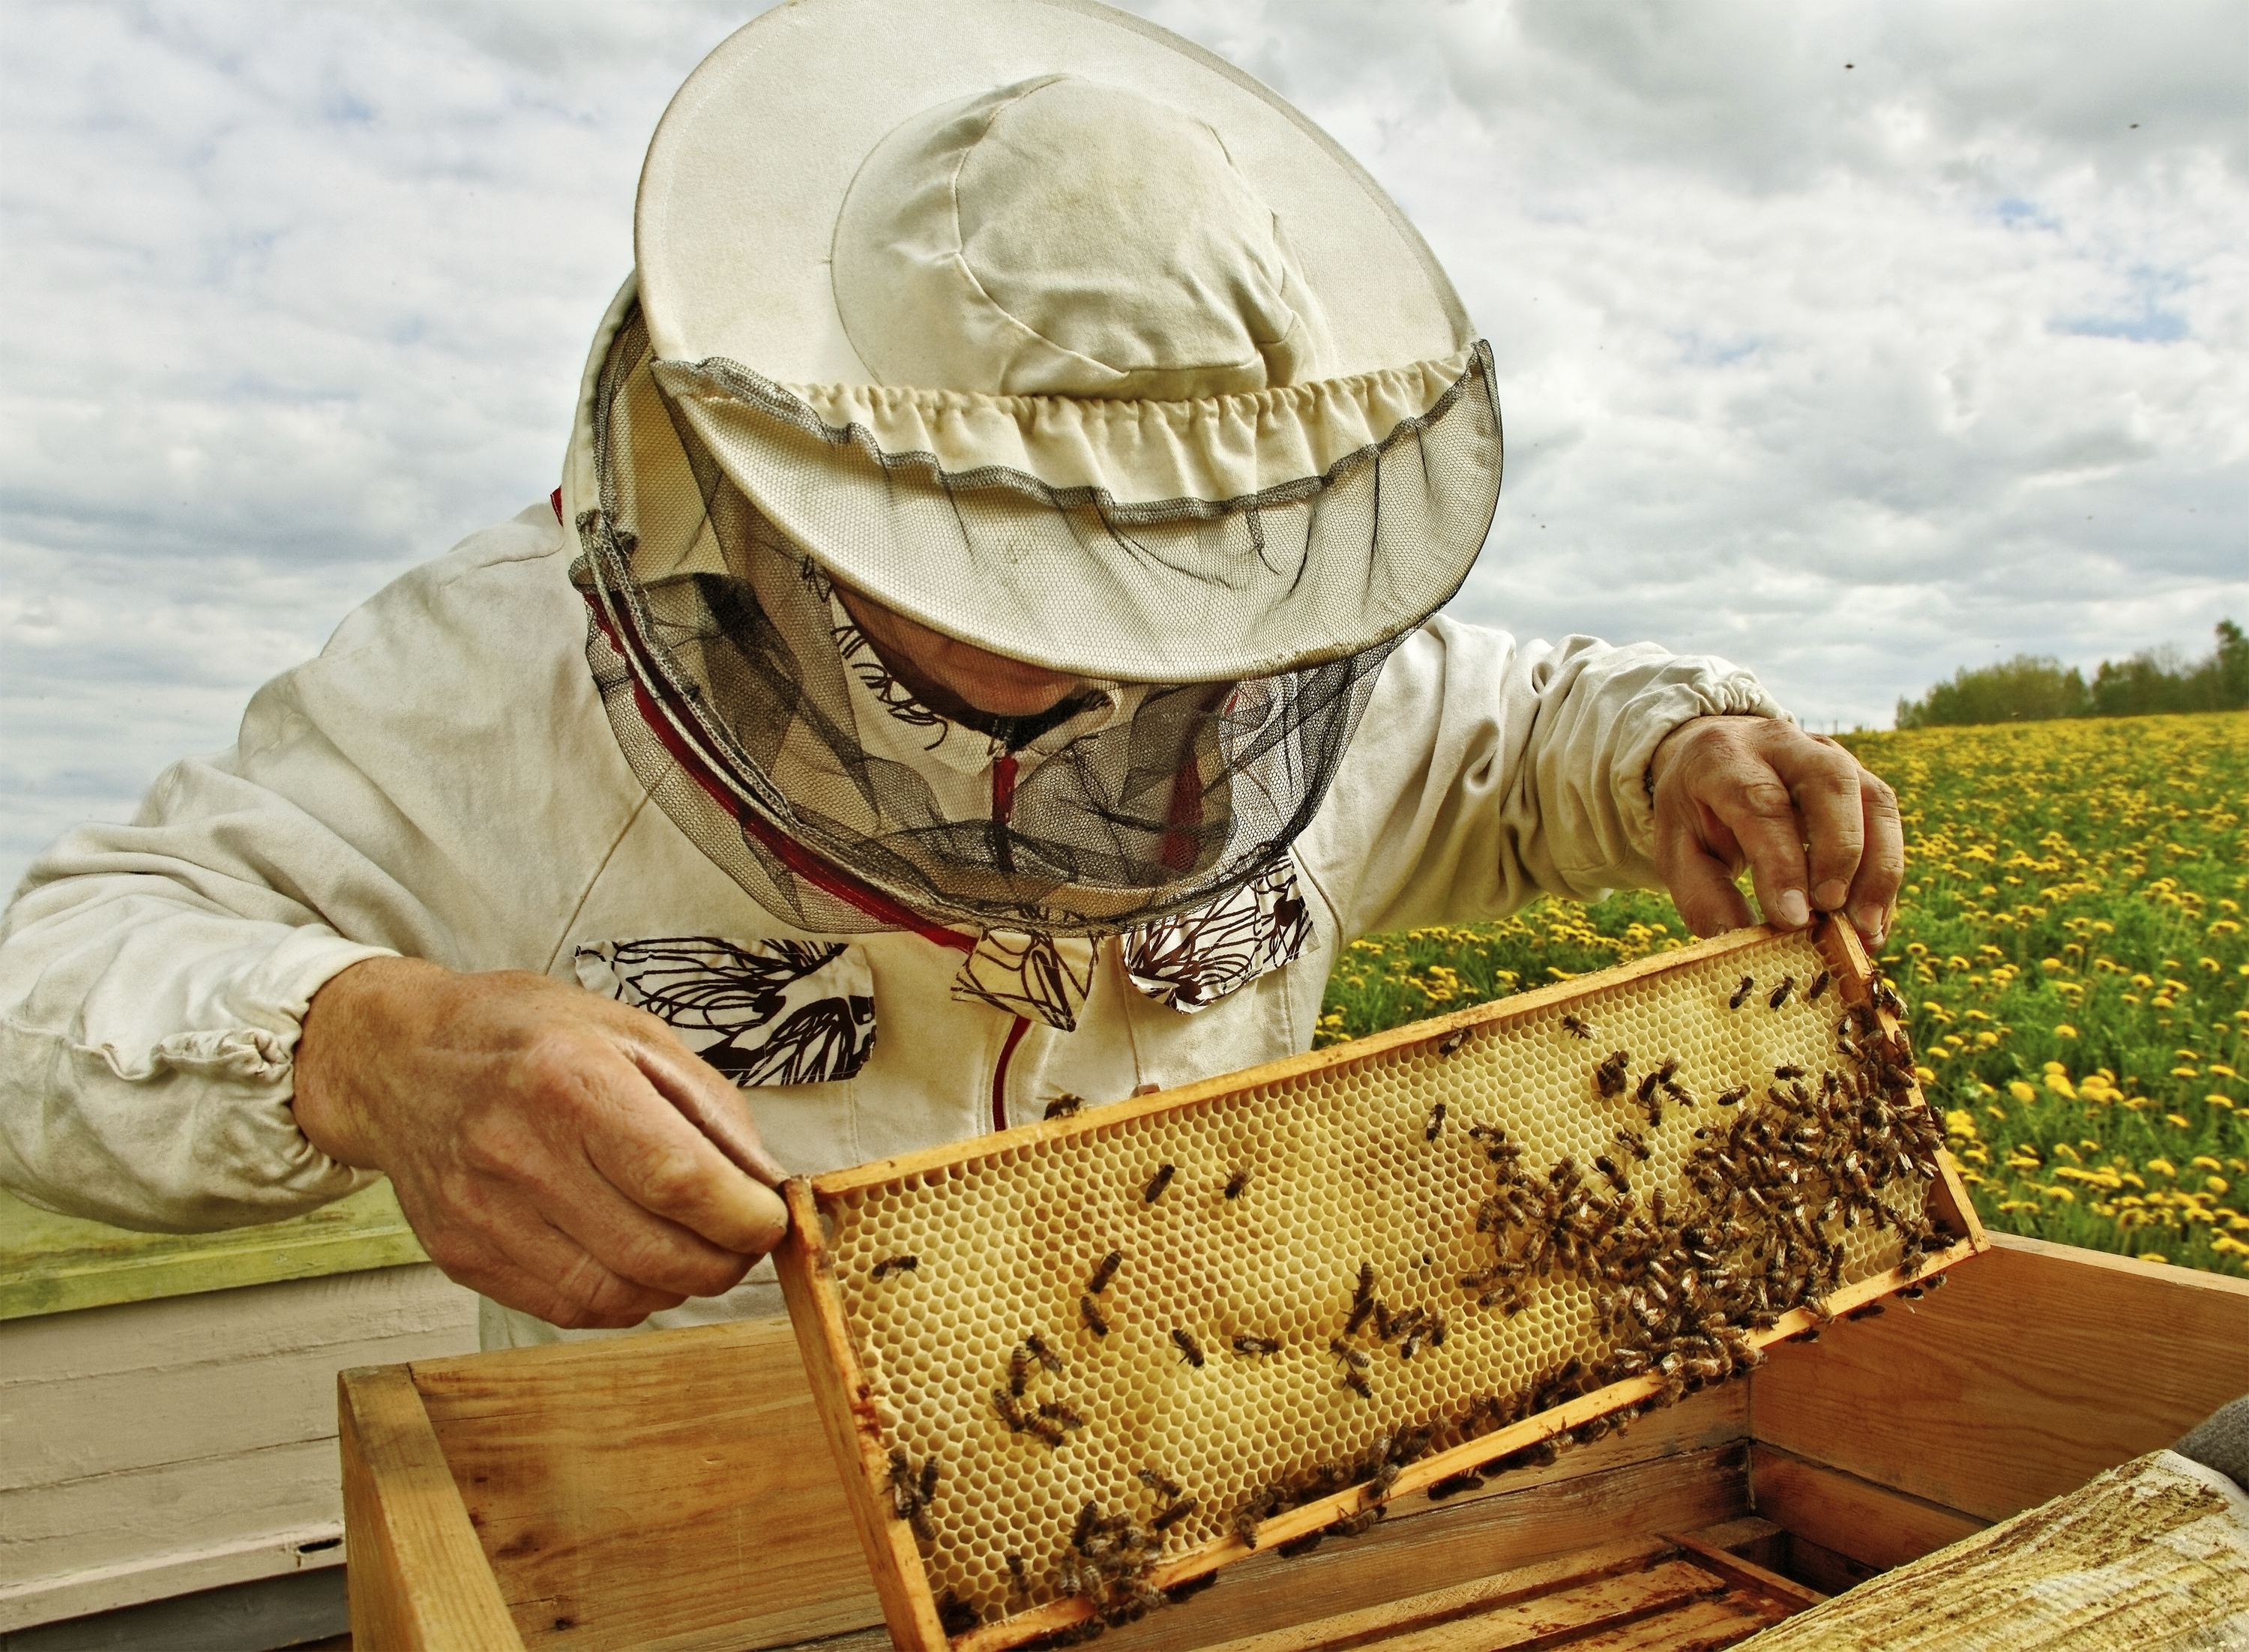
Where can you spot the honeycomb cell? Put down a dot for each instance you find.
(1350, 1167)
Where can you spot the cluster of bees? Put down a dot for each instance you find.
(1679, 1284)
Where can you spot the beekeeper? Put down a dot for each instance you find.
(981, 652)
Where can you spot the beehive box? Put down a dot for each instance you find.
(1375, 1271)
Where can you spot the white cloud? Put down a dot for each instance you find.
(1855, 374)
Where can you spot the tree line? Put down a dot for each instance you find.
(2033, 686)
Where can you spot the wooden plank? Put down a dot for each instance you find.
(1413, 1553)
(52, 1264)
(844, 1400)
(1747, 1575)
(1520, 1583)
(2036, 1367)
(666, 1492)
(418, 1581)
(1704, 1626)
(1868, 1523)
(155, 1449)
(1753, 1539)
(1499, 1012)
(1487, 1618)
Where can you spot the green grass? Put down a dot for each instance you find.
(2071, 942)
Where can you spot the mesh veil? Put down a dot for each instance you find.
(740, 692)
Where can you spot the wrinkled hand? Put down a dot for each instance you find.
(1736, 791)
(553, 1148)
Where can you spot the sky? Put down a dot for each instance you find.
(1854, 342)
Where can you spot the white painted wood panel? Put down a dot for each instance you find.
(149, 1448)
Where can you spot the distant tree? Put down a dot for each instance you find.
(2029, 688)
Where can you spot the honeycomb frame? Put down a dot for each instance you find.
(845, 1324)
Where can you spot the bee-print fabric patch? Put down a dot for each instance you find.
(763, 1012)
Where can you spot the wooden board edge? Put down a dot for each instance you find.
(1847, 957)
(1786, 1593)
(2161, 1273)
(1496, 1012)
(844, 1400)
(1862, 1519)
(416, 1577)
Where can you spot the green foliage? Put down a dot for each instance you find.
(2028, 689)
(2031, 688)
(2072, 943)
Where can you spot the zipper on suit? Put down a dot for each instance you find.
(999, 1072)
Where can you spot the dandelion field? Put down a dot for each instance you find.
(2071, 940)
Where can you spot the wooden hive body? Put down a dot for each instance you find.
(1206, 1369)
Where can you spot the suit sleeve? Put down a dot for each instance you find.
(411, 792)
(1487, 773)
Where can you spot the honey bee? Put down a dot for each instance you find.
(1235, 1182)
(1635, 1144)
(1065, 1105)
(1780, 993)
(1018, 1372)
(1362, 1301)
(1812, 993)
(1036, 1347)
(1742, 992)
(1056, 1411)
(1105, 1273)
(1609, 1076)
(1046, 1430)
(1162, 1486)
(1436, 1122)
(1788, 1070)
(890, 1265)
(1189, 1348)
(1647, 1088)
(1452, 1484)
(1245, 1527)
(1350, 1355)
(1011, 1410)
(1256, 1345)
(1870, 1311)
(1171, 1517)
(1091, 1315)
(1358, 1384)
(1450, 1044)
(1019, 1579)
(1734, 1097)
(1411, 1344)
(1437, 1330)
(1161, 1180)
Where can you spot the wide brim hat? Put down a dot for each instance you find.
(1062, 439)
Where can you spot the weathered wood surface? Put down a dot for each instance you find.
(2036, 1367)
(672, 1491)
(418, 1579)
(160, 1448)
(2149, 1554)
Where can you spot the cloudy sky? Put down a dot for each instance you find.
(1857, 341)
